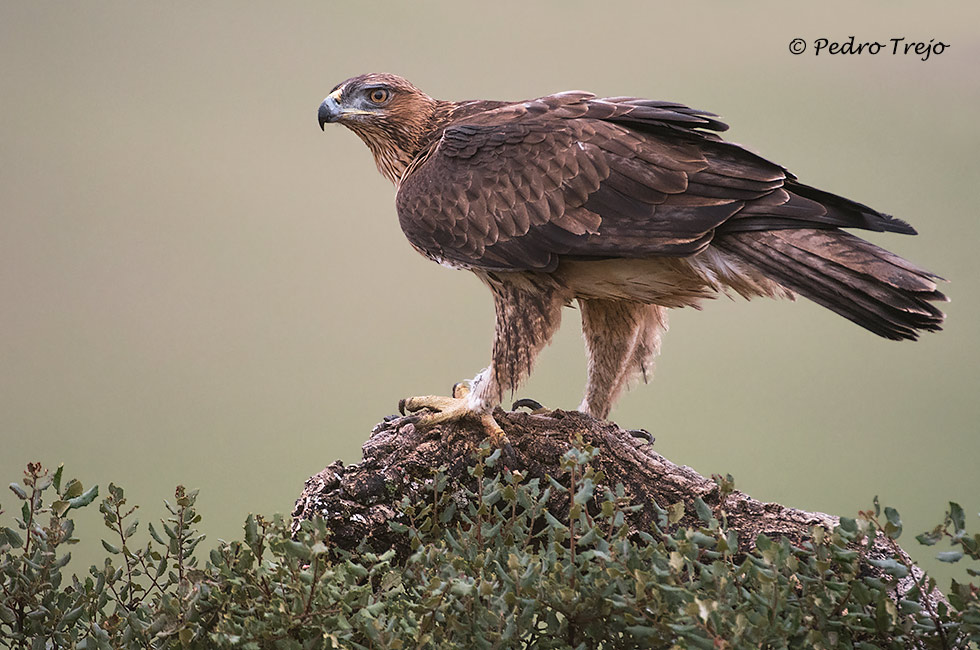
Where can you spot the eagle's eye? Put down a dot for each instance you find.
(379, 95)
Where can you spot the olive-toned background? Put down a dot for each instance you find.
(198, 286)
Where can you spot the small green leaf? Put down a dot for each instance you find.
(397, 527)
(18, 490)
(588, 538)
(356, 569)
(109, 547)
(958, 517)
(461, 588)
(73, 615)
(929, 538)
(492, 458)
(13, 537)
(641, 631)
(43, 482)
(85, 498)
(892, 567)
(7, 615)
(818, 532)
(949, 556)
(585, 492)
(702, 510)
(894, 526)
(608, 508)
(702, 540)
(155, 535)
(73, 489)
(57, 478)
(251, 531)
(554, 523)
(297, 549)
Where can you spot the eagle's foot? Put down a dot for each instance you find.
(439, 409)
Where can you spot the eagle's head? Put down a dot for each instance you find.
(390, 114)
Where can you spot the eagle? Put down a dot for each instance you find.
(627, 207)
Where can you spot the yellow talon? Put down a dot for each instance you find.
(441, 410)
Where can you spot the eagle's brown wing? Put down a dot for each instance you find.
(516, 187)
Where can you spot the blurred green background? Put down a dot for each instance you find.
(197, 286)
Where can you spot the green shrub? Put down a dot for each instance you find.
(489, 568)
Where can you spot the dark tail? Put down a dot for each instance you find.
(866, 284)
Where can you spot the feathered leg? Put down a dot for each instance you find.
(621, 339)
(528, 309)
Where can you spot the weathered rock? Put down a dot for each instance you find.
(358, 501)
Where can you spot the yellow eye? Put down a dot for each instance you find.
(379, 95)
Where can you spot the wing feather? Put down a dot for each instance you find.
(518, 186)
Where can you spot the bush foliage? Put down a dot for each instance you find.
(490, 567)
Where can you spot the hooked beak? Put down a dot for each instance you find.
(329, 111)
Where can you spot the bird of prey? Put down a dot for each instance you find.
(626, 206)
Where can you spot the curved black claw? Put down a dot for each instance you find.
(642, 433)
(394, 422)
(508, 455)
(530, 404)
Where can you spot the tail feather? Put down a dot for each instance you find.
(866, 284)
